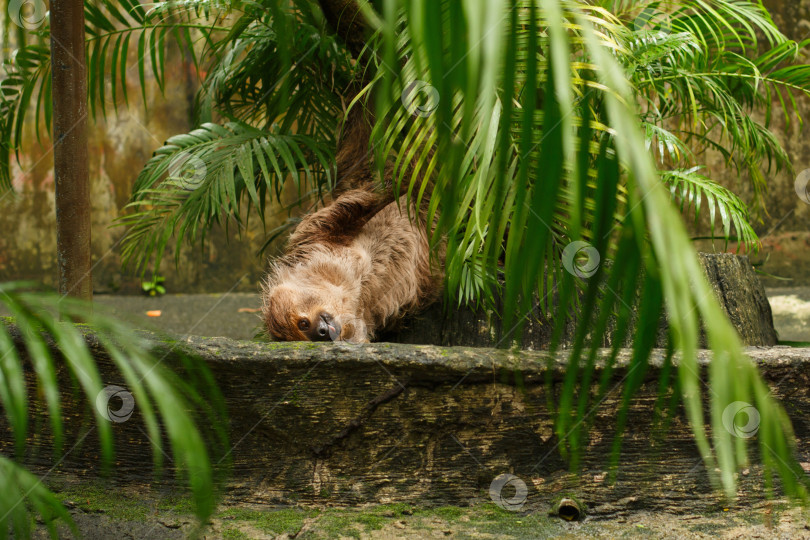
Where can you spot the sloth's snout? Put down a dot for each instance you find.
(328, 328)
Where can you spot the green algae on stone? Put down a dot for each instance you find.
(275, 521)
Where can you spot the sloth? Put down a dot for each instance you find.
(351, 269)
(360, 264)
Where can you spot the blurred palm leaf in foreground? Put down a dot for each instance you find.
(538, 146)
(166, 402)
(540, 124)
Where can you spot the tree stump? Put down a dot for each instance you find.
(732, 278)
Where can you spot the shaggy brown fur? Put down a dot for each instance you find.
(358, 265)
(352, 268)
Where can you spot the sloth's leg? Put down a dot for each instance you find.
(354, 159)
(339, 222)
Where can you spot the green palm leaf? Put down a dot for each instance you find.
(165, 400)
(201, 178)
(565, 57)
(23, 492)
(689, 188)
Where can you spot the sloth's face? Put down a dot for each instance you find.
(293, 313)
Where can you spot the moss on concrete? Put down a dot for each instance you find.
(96, 498)
(273, 521)
(145, 509)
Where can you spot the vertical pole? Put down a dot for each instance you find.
(69, 72)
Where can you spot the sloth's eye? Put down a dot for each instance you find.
(303, 324)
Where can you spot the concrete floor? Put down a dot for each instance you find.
(233, 315)
(237, 316)
(791, 312)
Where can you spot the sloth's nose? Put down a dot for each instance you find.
(328, 329)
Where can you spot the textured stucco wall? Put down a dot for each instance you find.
(120, 145)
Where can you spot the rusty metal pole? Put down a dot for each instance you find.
(69, 72)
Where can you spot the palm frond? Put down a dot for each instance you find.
(702, 75)
(667, 144)
(296, 83)
(44, 321)
(286, 112)
(28, 77)
(23, 494)
(689, 188)
(113, 31)
(561, 77)
(203, 177)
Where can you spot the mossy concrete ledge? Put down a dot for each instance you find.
(387, 423)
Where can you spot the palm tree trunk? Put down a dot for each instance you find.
(348, 23)
(70, 148)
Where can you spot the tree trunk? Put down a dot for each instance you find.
(69, 72)
(348, 23)
(736, 286)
